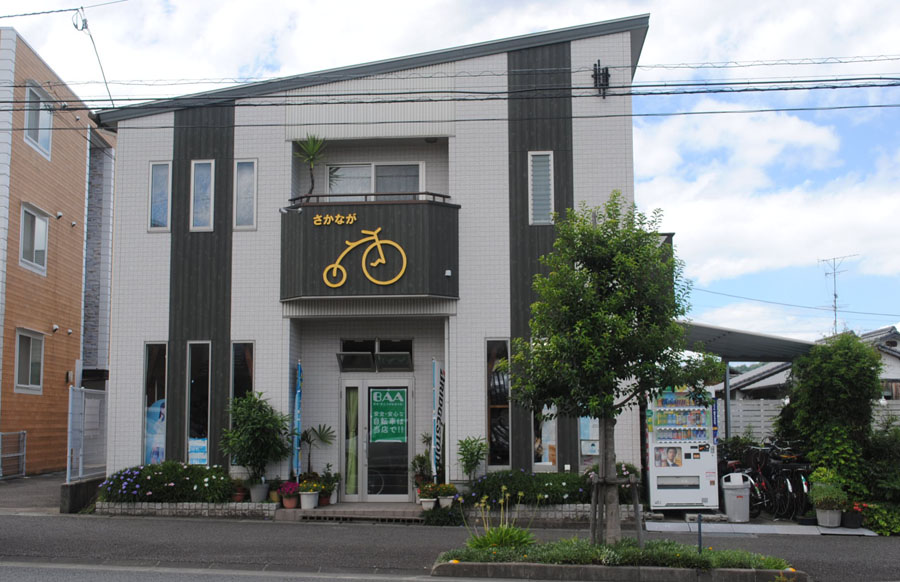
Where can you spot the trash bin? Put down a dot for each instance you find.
(736, 489)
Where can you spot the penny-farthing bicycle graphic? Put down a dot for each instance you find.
(335, 274)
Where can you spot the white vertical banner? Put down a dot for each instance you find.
(438, 384)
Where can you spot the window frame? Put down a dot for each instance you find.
(38, 215)
(252, 370)
(487, 394)
(187, 419)
(372, 165)
(36, 389)
(167, 227)
(43, 98)
(144, 407)
(234, 214)
(212, 196)
(531, 220)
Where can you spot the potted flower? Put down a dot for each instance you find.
(259, 435)
(290, 494)
(428, 493)
(274, 487)
(309, 493)
(828, 499)
(239, 490)
(446, 493)
(330, 481)
(852, 517)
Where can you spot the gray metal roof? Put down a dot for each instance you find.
(636, 25)
(744, 346)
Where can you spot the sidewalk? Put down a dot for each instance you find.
(778, 528)
(31, 494)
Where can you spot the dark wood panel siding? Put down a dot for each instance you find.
(540, 119)
(428, 232)
(200, 276)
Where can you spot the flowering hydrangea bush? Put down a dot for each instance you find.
(169, 481)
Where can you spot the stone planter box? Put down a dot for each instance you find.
(525, 571)
(197, 509)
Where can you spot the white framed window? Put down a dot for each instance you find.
(29, 361)
(38, 119)
(401, 178)
(540, 188)
(202, 194)
(244, 194)
(34, 239)
(545, 441)
(160, 196)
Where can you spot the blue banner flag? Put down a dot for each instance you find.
(298, 393)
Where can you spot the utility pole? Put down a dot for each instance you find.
(835, 263)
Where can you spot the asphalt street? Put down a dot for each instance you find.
(83, 547)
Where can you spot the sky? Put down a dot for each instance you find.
(760, 195)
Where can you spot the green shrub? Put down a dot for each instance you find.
(167, 482)
(882, 518)
(503, 536)
(443, 516)
(883, 462)
(470, 452)
(827, 496)
(538, 488)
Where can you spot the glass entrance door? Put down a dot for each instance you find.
(376, 441)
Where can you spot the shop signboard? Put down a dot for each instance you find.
(387, 412)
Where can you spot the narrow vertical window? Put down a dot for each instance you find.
(38, 120)
(155, 403)
(245, 194)
(241, 369)
(198, 403)
(29, 361)
(545, 439)
(160, 188)
(498, 403)
(540, 187)
(34, 240)
(202, 198)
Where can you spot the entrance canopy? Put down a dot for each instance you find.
(744, 346)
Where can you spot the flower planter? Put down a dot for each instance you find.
(259, 492)
(290, 502)
(445, 501)
(428, 503)
(324, 499)
(274, 497)
(828, 517)
(851, 519)
(309, 500)
(239, 495)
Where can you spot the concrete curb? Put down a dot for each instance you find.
(524, 571)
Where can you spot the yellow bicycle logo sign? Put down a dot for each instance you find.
(335, 274)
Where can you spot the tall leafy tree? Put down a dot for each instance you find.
(604, 334)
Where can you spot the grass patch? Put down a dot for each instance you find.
(579, 551)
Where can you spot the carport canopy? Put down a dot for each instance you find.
(733, 345)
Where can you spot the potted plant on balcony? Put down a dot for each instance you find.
(446, 494)
(428, 493)
(258, 435)
(309, 493)
(312, 152)
(290, 494)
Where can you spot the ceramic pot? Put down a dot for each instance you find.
(428, 503)
(259, 492)
(290, 502)
(445, 501)
(309, 500)
(274, 497)
(828, 517)
(239, 495)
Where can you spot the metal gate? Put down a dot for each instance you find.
(12, 454)
(87, 434)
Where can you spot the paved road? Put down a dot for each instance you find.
(143, 546)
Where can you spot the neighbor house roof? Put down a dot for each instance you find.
(636, 25)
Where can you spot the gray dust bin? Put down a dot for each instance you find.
(736, 488)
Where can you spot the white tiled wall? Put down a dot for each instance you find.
(140, 299)
(7, 81)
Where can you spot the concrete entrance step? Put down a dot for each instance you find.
(377, 512)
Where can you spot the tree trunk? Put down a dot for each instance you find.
(612, 525)
(312, 180)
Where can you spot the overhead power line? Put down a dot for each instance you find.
(59, 10)
(794, 304)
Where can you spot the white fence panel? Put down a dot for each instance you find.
(87, 434)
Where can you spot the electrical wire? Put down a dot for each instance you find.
(829, 309)
(59, 10)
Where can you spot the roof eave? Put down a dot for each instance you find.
(636, 25)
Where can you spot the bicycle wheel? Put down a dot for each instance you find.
(783, 496)
(768, 493)
(756, 500)
(366, 264)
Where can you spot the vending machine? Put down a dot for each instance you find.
(682, 438)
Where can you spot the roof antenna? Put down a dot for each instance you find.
(835, 262)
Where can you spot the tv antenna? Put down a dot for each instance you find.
(835, 263)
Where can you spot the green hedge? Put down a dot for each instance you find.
(882, 518)
(170, 481)
(538, 488)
